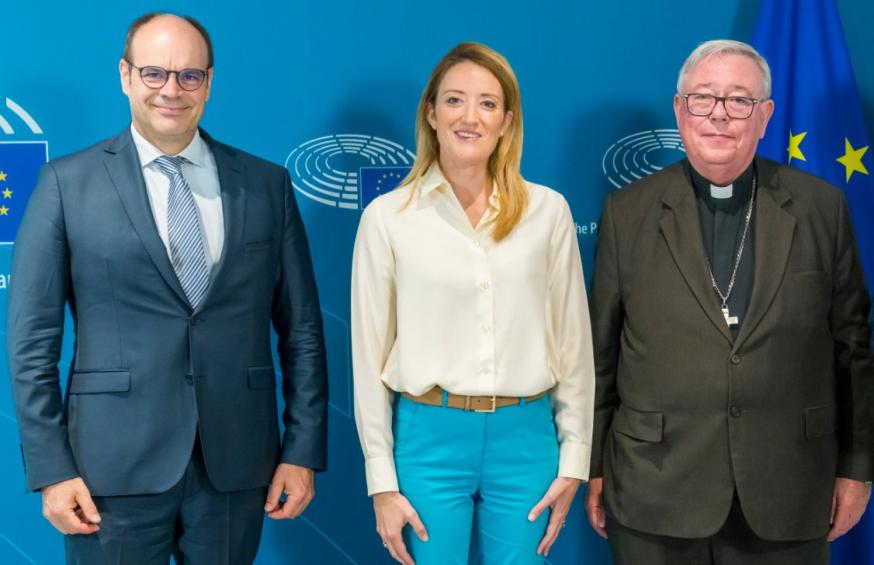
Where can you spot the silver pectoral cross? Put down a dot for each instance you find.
(729, 319)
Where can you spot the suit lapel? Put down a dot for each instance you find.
(681, 228)
(230, 173)
(123, 165)
(775, 229)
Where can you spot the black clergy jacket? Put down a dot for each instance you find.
(685, 415)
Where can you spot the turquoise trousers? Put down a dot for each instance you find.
(475, 475)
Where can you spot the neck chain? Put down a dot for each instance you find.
(729, 319)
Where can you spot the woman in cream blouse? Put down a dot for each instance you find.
(471, 343)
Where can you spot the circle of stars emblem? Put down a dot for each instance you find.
(389, 179)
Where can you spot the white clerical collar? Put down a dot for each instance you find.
(721, 192)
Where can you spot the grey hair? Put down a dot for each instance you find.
(725, 47)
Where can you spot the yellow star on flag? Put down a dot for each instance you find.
(794, 148)
(4, 211)
(7, 193)
(852, 159)
(2, 175)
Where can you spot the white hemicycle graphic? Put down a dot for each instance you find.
(321, 170)
(23, 115)
(633, 157)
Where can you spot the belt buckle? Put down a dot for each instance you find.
(491, 408)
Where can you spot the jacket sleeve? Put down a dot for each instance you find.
(607, 320)
(848, 318)
(297, 319)
(38, 293)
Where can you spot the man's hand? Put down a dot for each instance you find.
(296, 483)
(393, 512)
(848, 505)
(68, 506)
(559, 497)
(593, 506)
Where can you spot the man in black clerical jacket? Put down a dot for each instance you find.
(734, 414)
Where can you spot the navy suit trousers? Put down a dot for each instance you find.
(192, 521)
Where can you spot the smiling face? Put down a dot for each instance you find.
(469, 115)
(167, 116)
(718, 147)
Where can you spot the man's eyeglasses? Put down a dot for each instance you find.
(736, 107)
(157, 77)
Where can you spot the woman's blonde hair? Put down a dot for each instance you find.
(504, 163)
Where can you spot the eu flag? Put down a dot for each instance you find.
(19, 165)
(373, 181)
(818, 126)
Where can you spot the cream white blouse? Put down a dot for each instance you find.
(438, 302)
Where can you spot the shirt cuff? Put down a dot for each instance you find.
(573, 460)
(381, 475)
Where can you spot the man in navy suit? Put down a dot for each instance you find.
(174, 253)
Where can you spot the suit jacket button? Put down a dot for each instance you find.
(735, 359)
(189, 378)
(195, 320)
(734, 411)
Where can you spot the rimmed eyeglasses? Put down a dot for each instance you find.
(157, 77)
(736, 107)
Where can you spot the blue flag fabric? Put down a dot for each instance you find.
(373, 181)
(19, 166)
(818, 126)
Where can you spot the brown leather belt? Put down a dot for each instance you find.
(434, 397)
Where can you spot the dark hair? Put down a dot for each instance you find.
(146, 18)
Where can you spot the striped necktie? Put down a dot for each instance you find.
(184, 235)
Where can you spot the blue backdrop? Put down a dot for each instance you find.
(330, 89)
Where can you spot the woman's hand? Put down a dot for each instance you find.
(558, 497)
(393, 512)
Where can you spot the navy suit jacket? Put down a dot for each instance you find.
(148, 372)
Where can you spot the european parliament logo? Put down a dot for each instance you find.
(641, 154)
(347, 170)
(20, 162)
